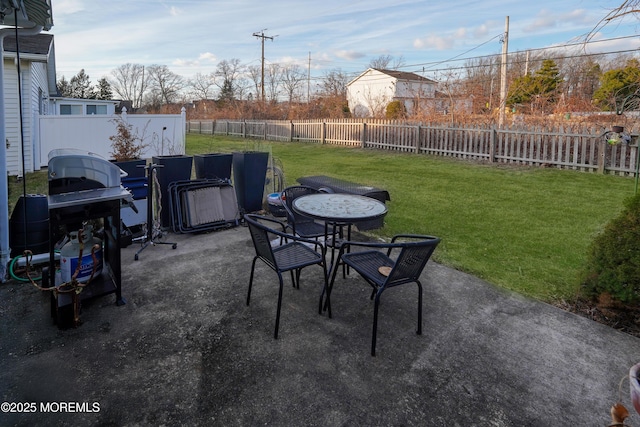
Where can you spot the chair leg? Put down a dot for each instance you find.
(298, 271)
(375, 323)
(293, 280)
(327, 302)
(419, 331)
(275, 334)
(325, 289)
(253, 267)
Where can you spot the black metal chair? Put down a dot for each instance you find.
(290, 253)
(403, 262)
(299, 224)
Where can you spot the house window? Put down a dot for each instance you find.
(73, 110)
(96, 109)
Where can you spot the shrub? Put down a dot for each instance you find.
(395, 110)
(126, 143)
(613, 262)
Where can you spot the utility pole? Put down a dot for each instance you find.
(309, 80)
(503, 73)
(261, 36)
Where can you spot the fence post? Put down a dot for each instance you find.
(323, 132)
(602, 155)
(492, 144)
(418, 138)
(363, 141)
(244, 129)
(265, 130)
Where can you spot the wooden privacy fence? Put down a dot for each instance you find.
(567, 147)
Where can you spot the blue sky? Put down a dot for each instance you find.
(193, 36)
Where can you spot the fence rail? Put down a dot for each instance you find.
(567, 147)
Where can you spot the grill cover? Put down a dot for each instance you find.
(76, 170)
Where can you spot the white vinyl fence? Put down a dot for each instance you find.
(163, 133)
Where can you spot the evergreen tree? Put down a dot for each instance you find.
(64, 87)
(539, 90)
(226, 91)
(103, 89)
(81, 86)
(620, 88)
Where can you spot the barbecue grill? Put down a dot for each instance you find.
(84, 186)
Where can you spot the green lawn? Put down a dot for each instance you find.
(525, 229)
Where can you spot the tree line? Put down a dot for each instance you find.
(540, 83)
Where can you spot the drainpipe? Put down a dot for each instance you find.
(5, 250)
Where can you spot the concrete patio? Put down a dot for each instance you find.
(186, 350)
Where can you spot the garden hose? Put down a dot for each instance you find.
(14, 276)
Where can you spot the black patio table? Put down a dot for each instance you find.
(338, 210)
(330, 184)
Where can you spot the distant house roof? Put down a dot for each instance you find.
(404, 75)
(39, 44)
(400, 75)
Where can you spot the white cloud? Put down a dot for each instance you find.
(481, 31)
(208, 57)
(547, 19)
(434, 42)
(349, 54)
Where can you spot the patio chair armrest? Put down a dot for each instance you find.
(389, 246)
(408, 237)
(274, 221)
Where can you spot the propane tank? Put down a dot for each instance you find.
(70, 256)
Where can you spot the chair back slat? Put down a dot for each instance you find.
(292, 193)
(262, 242)
(411, 261)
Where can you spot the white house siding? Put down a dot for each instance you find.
(34, 78)
(39, 91)
(370, 93)
(12, 117)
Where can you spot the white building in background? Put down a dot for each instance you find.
(37, 84)
(369, 94)
(59, 106)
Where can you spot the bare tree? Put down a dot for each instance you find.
(202, 85)
(334, 83)
(164, 84)
(255, 74)
(273, 77)
(581, 80)
(628, 7)
(387, 62)
(129, 83)
(482, 82)
(228, 74)
(292, 78)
